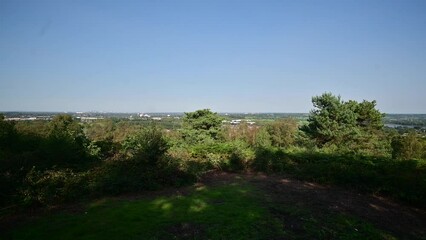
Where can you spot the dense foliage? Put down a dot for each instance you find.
(345, 125)
(201, 126)
(342, 142)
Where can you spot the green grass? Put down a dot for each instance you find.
(224, 212)
(235, 211)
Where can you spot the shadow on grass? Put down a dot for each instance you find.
(229, 212)
(401, 179)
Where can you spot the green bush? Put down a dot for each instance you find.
(53, 186)
(401, 179)
(407, 147)
(270, 159)
(147, 145)
(197, 159)
(144, 165)
(283, 132)
(123, 176)
(241, 156)
(120, 176)
(183, 158)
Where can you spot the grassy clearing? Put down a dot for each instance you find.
(234, 211)
(228, 211)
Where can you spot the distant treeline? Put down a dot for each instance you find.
(415, 121)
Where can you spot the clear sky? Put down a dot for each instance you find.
(230, 56)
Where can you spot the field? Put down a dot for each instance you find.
(212, 119)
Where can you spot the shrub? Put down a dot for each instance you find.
(129, 175)
(241, 156)
(144, 165)
(283, 132)
(53, 186)
(407, 147)
(120, 176)
(263, 138)
(191, 161)
(147, 145)
(270, 159)
(242, 132)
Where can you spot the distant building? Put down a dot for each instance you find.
(89, 119)
(236, 121)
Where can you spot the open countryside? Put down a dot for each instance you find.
(223, 177)
(212, 119)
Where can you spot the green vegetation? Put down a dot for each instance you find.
(402, 179)
(201, 126)
(224, 212)
(350, 125)
(229, 212)
(46, 163)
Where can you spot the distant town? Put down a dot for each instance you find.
(397, 121)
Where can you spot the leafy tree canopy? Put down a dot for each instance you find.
(334, 121)
(64, 126)
(201, 124)
(283, 132)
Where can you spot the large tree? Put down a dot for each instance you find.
(201, 125)
(66, 143)
(334, 121)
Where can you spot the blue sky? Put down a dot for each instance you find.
(230, 56)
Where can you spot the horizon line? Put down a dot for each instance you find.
(220, 112)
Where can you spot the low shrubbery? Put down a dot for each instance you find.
(401, 179)
(142, 165)
(53, 186)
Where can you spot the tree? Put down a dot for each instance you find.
(407, 146)
(368, 117)
(331, 121)
(351, 124)
(282, 132)
(64, 126)
(201, 125)
(66, 144)
(263, 139)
